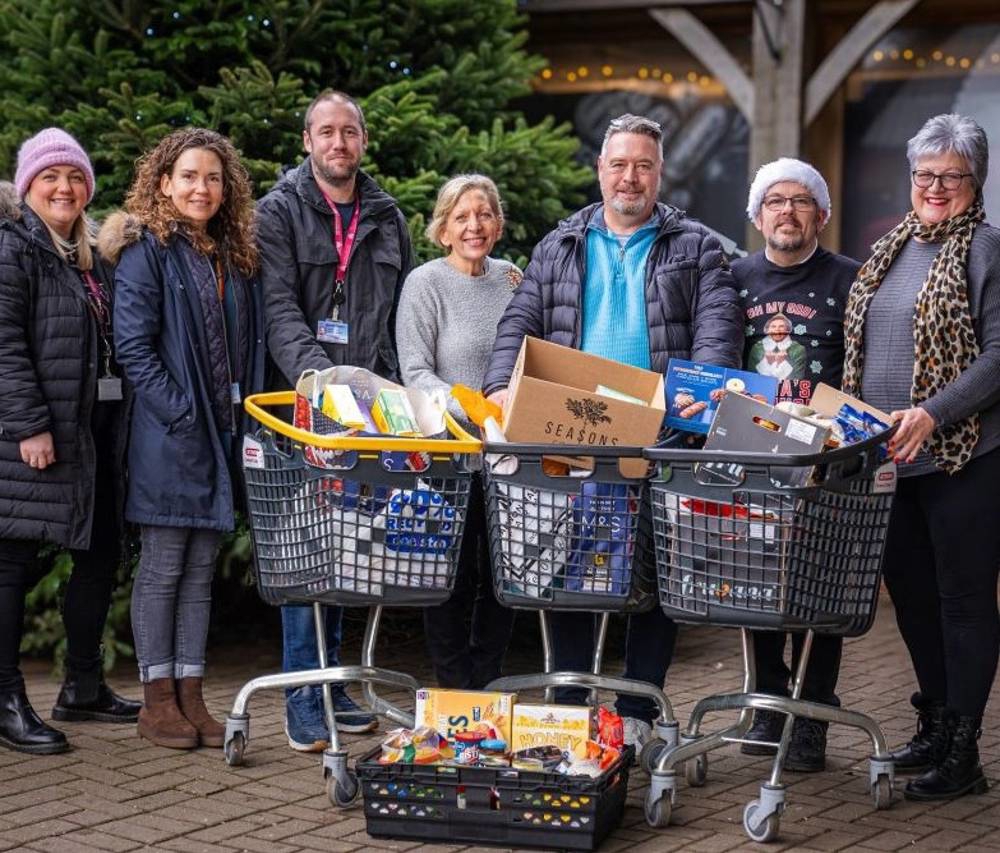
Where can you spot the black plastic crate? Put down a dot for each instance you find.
(492, 806)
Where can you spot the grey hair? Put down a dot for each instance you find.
(449, 196)
(629, 123)
(951, 132)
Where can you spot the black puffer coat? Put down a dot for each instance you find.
(49, 354)
(692, 305)
(298, 266)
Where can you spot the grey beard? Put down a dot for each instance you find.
(626, 209)
(792, 244)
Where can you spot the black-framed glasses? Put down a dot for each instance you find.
(801, 203)
(925, 178)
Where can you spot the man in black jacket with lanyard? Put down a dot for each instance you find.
(335, 250)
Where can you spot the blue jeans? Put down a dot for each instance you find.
(299, 638)
(172, 601)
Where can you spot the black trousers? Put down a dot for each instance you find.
(649, 648)
(942, 559)
(88, 592)
(468, 635)
(774, 675)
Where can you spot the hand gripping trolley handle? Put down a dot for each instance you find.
(356, 521)
(768, 542)
(573, 543)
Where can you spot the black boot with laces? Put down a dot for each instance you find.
(959, 772)
(929, 745)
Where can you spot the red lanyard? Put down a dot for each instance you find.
(343, 242)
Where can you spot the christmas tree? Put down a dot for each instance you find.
(436, 79)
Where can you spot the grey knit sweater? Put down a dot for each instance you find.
(889, 356)
(446, 324)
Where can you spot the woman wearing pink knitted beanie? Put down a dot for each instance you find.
(61, 418)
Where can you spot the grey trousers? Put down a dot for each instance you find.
(172, 600)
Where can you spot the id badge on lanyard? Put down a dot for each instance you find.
(334, 330)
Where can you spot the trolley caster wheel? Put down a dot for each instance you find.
(882, 792)
(696, 770)
(343, 791)
(649, 755)
(767, 830)
(658, 811)
(234, 748)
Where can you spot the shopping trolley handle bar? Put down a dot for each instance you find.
(729, 457)
(256, 405)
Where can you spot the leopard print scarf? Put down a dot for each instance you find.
(944, 343)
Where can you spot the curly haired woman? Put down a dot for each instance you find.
(189, 335)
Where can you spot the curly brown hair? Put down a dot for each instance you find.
(231, 231)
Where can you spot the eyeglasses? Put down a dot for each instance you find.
(801, 203)
(925, 179)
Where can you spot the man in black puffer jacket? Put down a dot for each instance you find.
(635, 281)
(334, 252)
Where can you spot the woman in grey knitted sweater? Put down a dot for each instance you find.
(445, 326)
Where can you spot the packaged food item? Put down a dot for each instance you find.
(467, 747)
(394, 415)
(610, 729)
(539, 758)
(605, 391)
(600, 559)
(422, 745)
(451, 711)
(569, 727)
(493, 753)
(339, 405)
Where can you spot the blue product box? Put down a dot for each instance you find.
(694, 391)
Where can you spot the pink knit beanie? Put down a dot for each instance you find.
(51, 147)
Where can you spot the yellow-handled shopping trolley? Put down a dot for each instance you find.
(349, 521)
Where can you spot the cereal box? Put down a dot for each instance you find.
(567, 726)
(450, 711)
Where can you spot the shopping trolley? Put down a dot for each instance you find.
(768, 542)
(572, 543)
(356, 521)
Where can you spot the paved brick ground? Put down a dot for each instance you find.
(114, 792)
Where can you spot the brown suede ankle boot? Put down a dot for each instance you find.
(161, 721)
(210, 731)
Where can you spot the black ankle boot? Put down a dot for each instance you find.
(929, 745)
(21, 729)
(959, 772)
(85, 696)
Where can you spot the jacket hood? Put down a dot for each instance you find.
(300, 180)
(10, 204)
(119, 231)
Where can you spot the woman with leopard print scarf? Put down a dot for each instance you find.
(922, 333)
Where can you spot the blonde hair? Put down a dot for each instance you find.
(448, 197)
(84, 235)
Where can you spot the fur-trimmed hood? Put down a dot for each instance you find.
(10, 204)
(119, 231)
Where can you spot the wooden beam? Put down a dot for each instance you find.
(614, 5)
(709, 51)
(833, 70)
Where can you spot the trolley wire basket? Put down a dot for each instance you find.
(377, 521)
(764, 541)
(568, 542)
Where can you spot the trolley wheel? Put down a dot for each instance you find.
(658, 811)
(234, 749)
(649, 755)
(343, 791)
(696, 770)
(766, 831)
(882, 792)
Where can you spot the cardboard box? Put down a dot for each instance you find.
(827, 401)
(693, 392)
(567, 726)
(745, 425)
(450, 711)
(552, 398)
